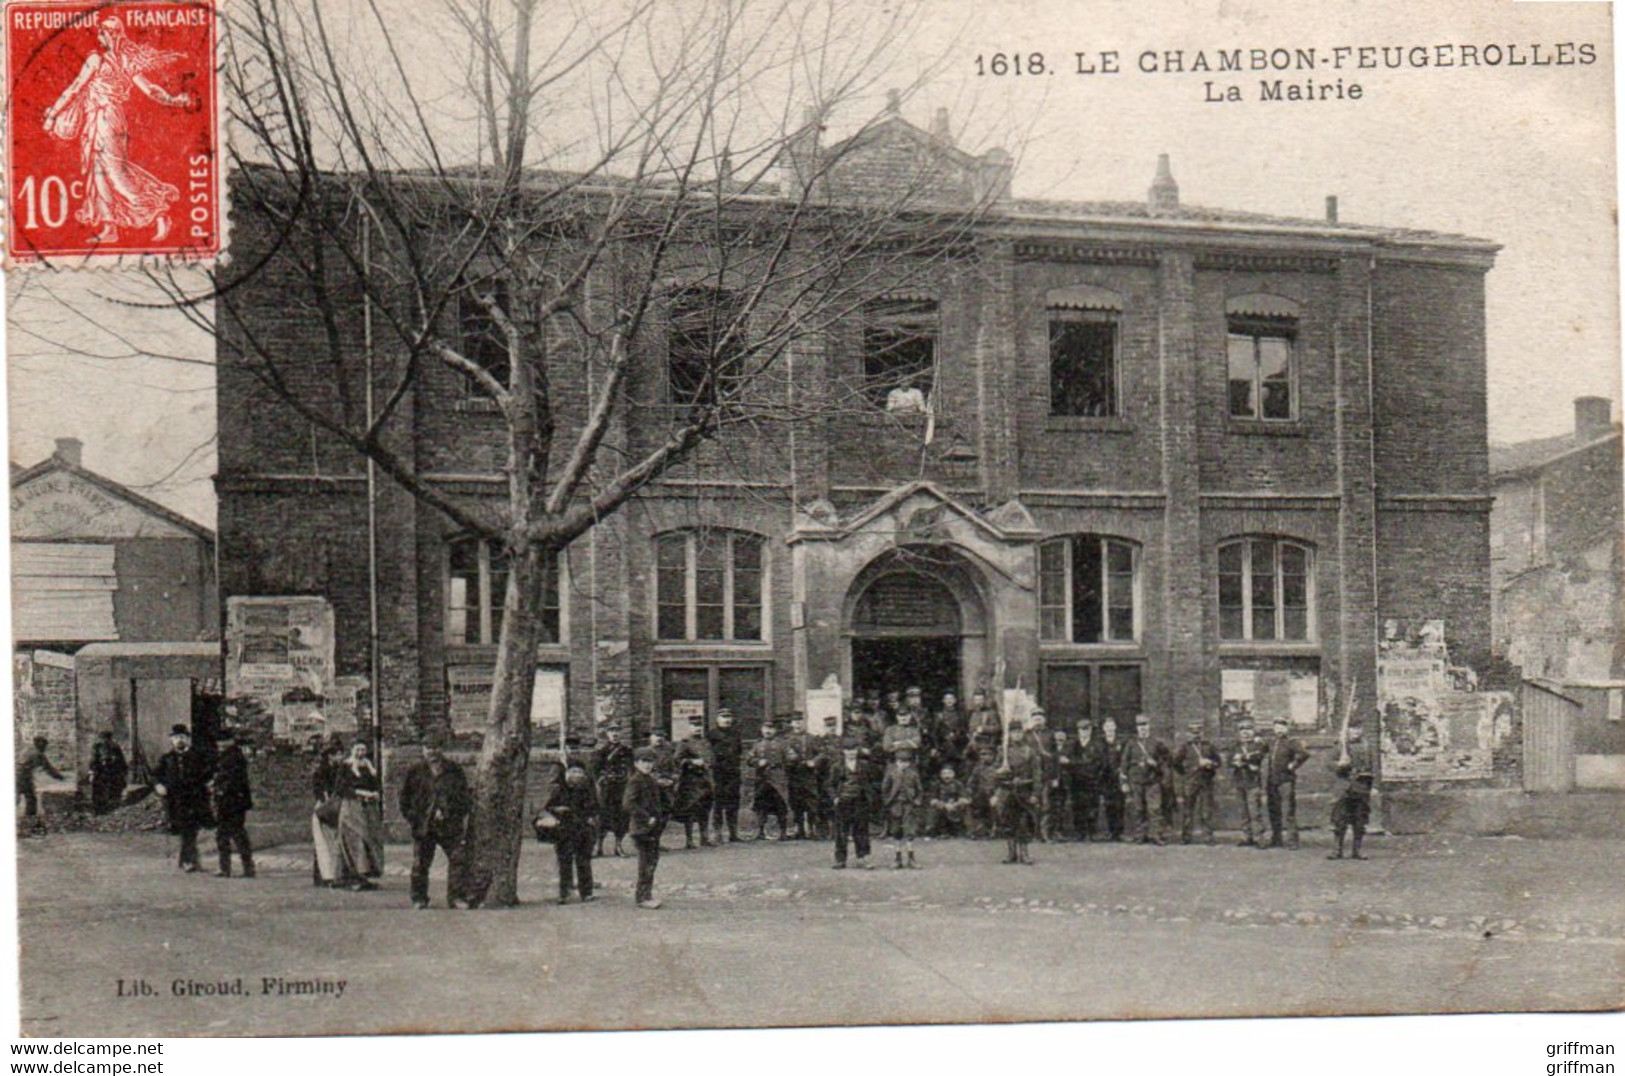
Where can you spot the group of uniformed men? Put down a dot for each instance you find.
(959, 771)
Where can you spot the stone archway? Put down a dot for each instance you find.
(916, 616)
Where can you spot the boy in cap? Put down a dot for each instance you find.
(848, 792)
(646, 807)
(902, 794)
(950, 805)
(574, 802)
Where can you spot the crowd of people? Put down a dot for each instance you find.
(892, 765)
(888, 767)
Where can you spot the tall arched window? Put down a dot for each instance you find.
(1265, 590)
(1087, 590)
(708, 586)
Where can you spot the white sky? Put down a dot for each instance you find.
(1524, 156)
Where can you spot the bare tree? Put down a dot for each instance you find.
(595, 175)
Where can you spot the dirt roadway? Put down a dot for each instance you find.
(1090, 932)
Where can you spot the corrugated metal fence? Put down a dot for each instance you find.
(1548, 737)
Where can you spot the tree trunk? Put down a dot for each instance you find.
(499, 784)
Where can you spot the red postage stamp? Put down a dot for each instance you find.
(112, 147)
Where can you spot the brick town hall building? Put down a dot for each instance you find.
(1156, 451)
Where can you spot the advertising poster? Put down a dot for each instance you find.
(279, 651)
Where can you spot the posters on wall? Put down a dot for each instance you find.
(468, 698)
(279, 652)
(687, 719)
(1263, 695)
(822, 703)
(1436, 725)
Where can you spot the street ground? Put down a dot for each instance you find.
(766, 934)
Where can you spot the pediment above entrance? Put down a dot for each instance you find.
(920, 512)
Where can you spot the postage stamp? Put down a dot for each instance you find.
(112, 147)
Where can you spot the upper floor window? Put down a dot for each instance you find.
(1086, 590)
(1264, 591)
(476, 594)
(708, 586)
(900, 354)
(1083, 348)
(705, 339)
(1262, 346)
(481, 339)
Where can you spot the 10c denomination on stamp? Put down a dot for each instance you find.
(112, 147)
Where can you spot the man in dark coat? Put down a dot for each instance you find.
(727, 755)
(232, 802)
(181, 779)
(109, 772)
(1197, 764)
(1282, 759)
(772, 796)
(645, 805)
(801, 768)
(694, 790)
(612, 766)
(574, 803)
(1116, 796)
(435, 801)
(1143, 767)
(1353, 807)
(1247, 772)
(34, 759)
(1019, 780)
(1090, 769)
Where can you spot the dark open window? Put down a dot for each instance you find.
(900, 354)
(482, 341)
(1082, 363)
(705, 340)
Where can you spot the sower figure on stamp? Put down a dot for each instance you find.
(612, 764)
(1197, 763)
(1353, 806)
(232, 801)
(108, 773)
(727, 755)
(848, 792)
(645, 804)
(117, 192)
(435, 802)
(182, 779)
(574, 804)
(1247, 772)
(1282, 759)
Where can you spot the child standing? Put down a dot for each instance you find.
(902, 793)
(848, 793)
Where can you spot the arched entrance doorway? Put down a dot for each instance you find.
(915, 618)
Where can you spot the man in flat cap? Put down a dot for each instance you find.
(1196, 762)
(727, 756)
(612, 767)
(1353, 807)
(645, 805)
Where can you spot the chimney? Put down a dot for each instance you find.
(940, 131)
(804, 151)
(1593, 417)
(71, 450)
(1331, 209)
(1164, 197)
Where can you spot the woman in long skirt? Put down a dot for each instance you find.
(361, 818)
(328, 867)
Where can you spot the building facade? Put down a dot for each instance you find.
(1128, 457)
